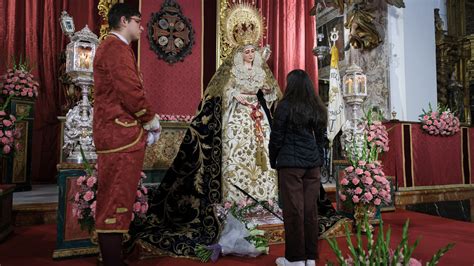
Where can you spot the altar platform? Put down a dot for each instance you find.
(33, 245)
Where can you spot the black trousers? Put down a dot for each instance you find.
(300, 191)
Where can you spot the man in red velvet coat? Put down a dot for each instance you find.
(123, 124)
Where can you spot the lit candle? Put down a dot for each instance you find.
(349, 85)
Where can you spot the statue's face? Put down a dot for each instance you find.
(249, 54)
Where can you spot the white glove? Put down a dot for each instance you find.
(153, 137)
(150, 139)
(153, 124)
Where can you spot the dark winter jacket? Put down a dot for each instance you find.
(292, 147)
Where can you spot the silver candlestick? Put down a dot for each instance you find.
(80, 54)
(354, 94)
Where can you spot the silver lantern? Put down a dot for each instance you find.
(80, 54)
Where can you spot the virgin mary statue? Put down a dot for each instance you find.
(224, 151)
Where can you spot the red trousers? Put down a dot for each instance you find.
(118, 177)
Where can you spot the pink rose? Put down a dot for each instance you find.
(94, 206)
(359, 171)
(227, 205)
(76, 197)
(8, 133)
(139, 193)
(377, 201)
(368, 196)
(425, 117)
(349, 169)
(270, 202)
(145, 190)
(342, 197)
(414, 262)
(89, 195)
(344, 181)
(137, 206)
(2, 113)
(368, 180)
(355, 181)
(80, 180)
(373, 190)
(367, 173)
(355, 199)
(7, 123)
(370, 165)
(242, 203)
(358, 190)
(91, 181)
(361, 163)
(144, 208)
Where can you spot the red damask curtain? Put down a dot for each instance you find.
(291, 33)
(31, 28)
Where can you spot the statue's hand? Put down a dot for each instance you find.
(266, 52)
(266, 89)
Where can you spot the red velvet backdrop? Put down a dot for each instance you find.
(173, 89)
(31, 28)
(291, 33)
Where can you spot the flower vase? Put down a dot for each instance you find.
(360, 210)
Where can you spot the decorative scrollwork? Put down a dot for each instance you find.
(170, 33)
(104, 7)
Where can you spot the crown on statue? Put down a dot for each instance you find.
(243, 25)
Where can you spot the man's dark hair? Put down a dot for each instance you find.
(121, 10)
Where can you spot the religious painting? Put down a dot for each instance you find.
(170, 33)
(84, 59)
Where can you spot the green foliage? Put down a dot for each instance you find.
(22, 64)
(204, 254)
(379, 252)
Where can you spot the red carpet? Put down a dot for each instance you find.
(34, 245)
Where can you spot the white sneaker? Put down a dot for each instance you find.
(310, 263)
(282, 261)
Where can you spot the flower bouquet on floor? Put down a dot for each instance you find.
(440, 122)
(84, 201)
(240, 236)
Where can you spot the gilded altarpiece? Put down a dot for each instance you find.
(16, 169)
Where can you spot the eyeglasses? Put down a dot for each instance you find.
(137, 20)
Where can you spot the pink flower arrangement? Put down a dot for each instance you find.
(377, 136)
(365, 183)
(9, 133)
(84, 201)
(179, 118)
(20, 83)
(440, 122)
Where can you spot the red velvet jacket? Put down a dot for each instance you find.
(120, 105)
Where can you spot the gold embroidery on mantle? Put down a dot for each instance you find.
(161, 154)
